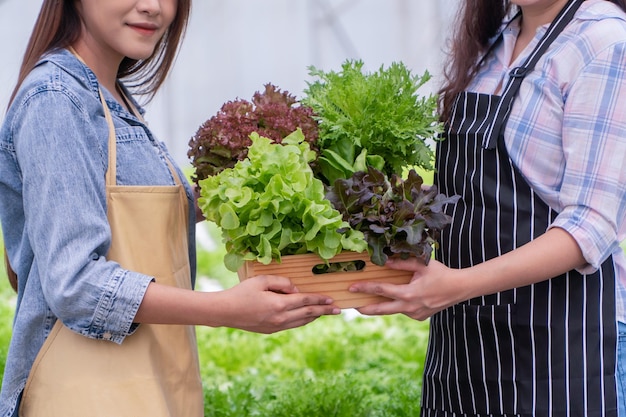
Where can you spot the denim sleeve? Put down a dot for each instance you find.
(62, 162)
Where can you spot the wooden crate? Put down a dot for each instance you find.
(299, 268)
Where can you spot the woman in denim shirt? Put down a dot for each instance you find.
(54, 158)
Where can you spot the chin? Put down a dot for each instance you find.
(139, 54)
(138, 57)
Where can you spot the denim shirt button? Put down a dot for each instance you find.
(107, 336)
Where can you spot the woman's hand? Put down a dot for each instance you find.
(433, 288)
(262, 304)
(267, 304)
(436, 287)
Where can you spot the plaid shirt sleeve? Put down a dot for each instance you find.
(592, 193)
(567, 129)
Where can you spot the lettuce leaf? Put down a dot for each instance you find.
(397, 217)
(270, 204)
(379, 117)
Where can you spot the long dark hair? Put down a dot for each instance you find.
(59, 26)
(477, 22)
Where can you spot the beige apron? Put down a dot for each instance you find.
(155, 371)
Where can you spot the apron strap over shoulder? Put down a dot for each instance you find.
(111, 175)
(111, 172)
(516, 76)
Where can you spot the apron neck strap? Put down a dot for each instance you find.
(516, 76)
(111, 174)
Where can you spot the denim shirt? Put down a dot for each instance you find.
(53, 160)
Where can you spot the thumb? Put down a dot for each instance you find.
(410, 264)
(279, 284)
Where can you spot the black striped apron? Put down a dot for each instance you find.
(548, 349)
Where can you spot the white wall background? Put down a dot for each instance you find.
(234, 47)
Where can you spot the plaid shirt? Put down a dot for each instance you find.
(567, 129)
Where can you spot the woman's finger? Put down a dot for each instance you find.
(278, 284)
(409, 264)
(393, 291)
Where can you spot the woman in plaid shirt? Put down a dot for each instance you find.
(527, 293)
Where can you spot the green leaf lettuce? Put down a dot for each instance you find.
(270, 204)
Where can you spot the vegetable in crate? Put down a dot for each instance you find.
(224, 139)
(397, 217)
(376, 119)
(270, 204)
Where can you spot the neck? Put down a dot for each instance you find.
(105, 70)
(105, 67)
(536, 15)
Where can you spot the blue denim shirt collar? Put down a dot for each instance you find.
(67, 61)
